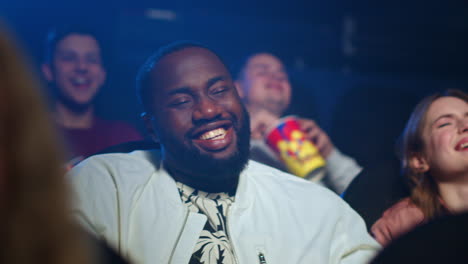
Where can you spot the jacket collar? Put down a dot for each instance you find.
(166, 184)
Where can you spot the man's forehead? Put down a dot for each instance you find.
(189, 54)
(265, 61)
(190, 59)
(183, 67)
(76, 40)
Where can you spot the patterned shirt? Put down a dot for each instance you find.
(213, 245)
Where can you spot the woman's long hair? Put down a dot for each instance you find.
(424, 191)
(35, 216)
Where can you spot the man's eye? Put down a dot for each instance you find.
(67, 58)
(179, 102)
(219, 90)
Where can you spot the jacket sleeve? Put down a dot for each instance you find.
(95, 201)
(352, 243)
(341, 170)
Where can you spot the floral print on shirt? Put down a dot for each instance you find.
(213, 245)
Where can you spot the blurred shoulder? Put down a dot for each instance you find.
(119, 167)
(138, 157)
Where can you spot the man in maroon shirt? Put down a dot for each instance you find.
(74, 69)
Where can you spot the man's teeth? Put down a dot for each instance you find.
(464, 145)
(218, 133)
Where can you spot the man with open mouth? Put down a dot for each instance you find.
(199, 199)
(265, 87)
(74, 69)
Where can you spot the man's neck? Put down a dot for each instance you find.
(74, 119)
(455, 196)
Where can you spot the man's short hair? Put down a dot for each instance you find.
(55, 35)
(143, 87)
(240, 65)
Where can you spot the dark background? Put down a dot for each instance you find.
(357, 67)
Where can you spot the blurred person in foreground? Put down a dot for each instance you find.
(264, 85)
(199, 199)
(434, 149)
(35, 220)
(74, 69)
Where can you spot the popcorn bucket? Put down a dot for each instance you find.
(300, 155)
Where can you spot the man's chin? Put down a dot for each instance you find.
(220, 155)
(275, 108)
(76, 105)
(231, 164)
(222, 165)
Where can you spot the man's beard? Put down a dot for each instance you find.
(211, 169)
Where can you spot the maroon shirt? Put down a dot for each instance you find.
(82, 143)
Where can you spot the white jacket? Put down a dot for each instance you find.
(133, 203)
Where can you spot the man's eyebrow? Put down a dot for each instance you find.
(266, 66)
(184, 89)
(262, 66)
(216, 79)
(188, 90)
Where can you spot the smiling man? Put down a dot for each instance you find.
(203, 131)
(199, 199)
(264, 85)
(74, 69)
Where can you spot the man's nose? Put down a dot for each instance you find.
(81, 65)
(270, 75)
(206, 109)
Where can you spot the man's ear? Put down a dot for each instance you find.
(148, 121)
(47, 72)
(239, 89)
(418, 163)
